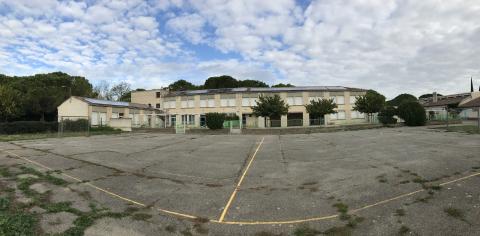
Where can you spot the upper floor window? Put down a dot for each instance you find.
(227, 102)
(157, 105)
(339, 100)
(353, 99)
(295, 101)
(157, 94)
(340, 115)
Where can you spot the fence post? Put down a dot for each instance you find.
(447, 116)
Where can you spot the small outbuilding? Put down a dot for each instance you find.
(122, 115)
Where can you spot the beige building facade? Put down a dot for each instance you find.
(189, 107)
(110, 113)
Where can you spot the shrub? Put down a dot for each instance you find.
(215, 120)
(231, 117)
(385, 116)
(24, 127)
(412, 113)
(75, 125)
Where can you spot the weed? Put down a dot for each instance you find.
(403, 230)
(400, 212)
(265, 233)
(381, 178)
(419, 180)
(341, 207)
(170, 228)
(141, 216)
(304, 230)
(54, 180)
(200, 229)
(186, 232)
(404, 181)
(354, 221)
(201, 220)
(4, 172)
(454, 212)
(432, 187)
(338, 231)
(58, 207)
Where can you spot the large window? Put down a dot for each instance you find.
(187, 102)
(227, 102)
(169, 104)
(249, 101)
(340, 115)
(207, 101)
(295, 101)
(339, 100)
(357, 115)
(353, 99)
(188, 119)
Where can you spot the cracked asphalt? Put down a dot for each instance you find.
(293, 177)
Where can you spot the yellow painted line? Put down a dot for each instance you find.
(387, 200)
(278, 222)
(225, 209)
(455, 180)
(177, 214)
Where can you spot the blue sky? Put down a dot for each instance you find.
(391, 46)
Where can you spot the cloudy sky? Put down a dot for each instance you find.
(391, 46)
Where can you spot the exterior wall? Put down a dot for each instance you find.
(125, 124)
(72, 108)
(149, 97)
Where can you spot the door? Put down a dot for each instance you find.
(94, 118)
(103, 118)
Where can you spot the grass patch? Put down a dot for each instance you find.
(382, 178)
(403, 230)
(4, 172)
(304, 230)
(341, 207)
(13, 219)
(404, 181)
(170, 228)
(400, 212)
(141, 216)
(199, 228)
(338, 231)
(16, 137)
(469, 129)
(454, 212)
(265, 233)
(419, 180)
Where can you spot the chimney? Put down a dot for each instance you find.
(434, 96)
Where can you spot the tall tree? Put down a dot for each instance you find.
(404, 97)
(272, 107)
(370, 103)
(252, 83)
(224, 81)
(318, 108)
(102, 90)
(428, 95)
(10, 103)
(280, 85)
(119, 90)
(181, 85)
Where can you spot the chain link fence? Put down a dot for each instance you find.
(73, 124)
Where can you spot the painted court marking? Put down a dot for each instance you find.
(234, 193)
(221, 220)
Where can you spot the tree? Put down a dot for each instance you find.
(321, 107)
(428, 95)
(10, 103)
(214, 120)
(370, 103)
(181, 85)
(272, 107)
(102, 90)
(386, 115)
(404, 97)
(412, 113)
(224, 81)
(119, 90)
(252, 83)
(280, 85)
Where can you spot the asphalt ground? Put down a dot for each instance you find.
(370, 182)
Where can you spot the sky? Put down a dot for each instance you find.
(391, 46)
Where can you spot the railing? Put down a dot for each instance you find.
(294, 122)
(317, 122)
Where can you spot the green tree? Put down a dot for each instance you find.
(224, 81)
(404, 97)
(10, 103)
(120, 90)
(370, 103)
(280, 85)
(252, 83)
(214, 120)
(181, 85)
(318, 108)
(386, 115)
(412, 113)
(272, 107)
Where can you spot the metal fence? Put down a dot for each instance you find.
(73, 124)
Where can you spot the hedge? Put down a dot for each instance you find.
(23, 127)
(215, 120)
(412, 113)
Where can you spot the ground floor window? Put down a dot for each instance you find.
(203, 121)
(173, 120)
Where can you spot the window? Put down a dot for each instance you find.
(353, 99)
(245, 102)
(249, 101)
(295, 101)
(211, 102)
(227, 102)
(184, 104)
(340, 100)
(172, 104)
(120, 115)
(157, 94)
(157, 105)
(340, 115)
(191, 119)
(314, 98)
(203, 103)
(191, 103)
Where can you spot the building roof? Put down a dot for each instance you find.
(472, 103)
(107, 103)
(453, 99)
(262, 90)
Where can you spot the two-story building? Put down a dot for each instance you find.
(189, 107)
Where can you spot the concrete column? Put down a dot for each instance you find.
(306, 119)
(109, 114)
(261, 122)
(126, 112)
(283, 121)
(197, 120)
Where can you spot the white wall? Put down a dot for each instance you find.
(73, 107)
